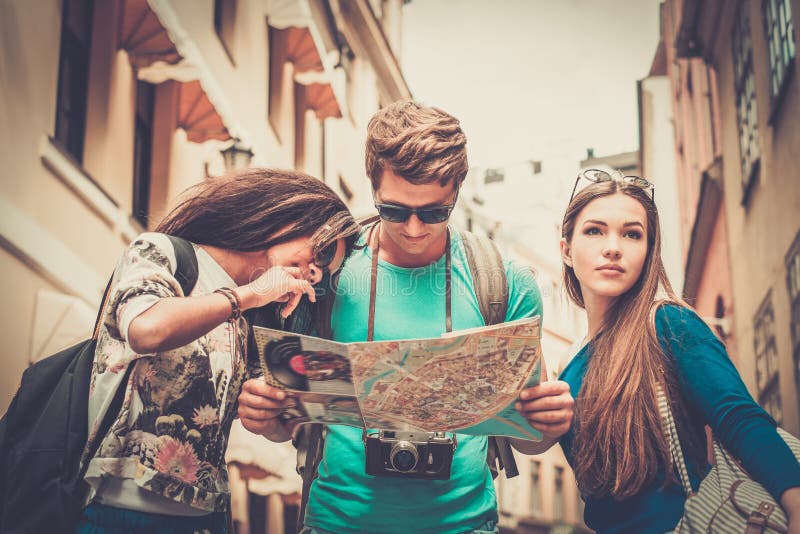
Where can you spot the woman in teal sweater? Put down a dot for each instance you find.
(611, 249)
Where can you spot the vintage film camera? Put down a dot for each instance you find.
(409, 454)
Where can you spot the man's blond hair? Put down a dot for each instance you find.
(421, 144)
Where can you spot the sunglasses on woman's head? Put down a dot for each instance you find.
(400, 214)
(598, 176)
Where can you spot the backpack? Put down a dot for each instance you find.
(491, 288)
(44, 433)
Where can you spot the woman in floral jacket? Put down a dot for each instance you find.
(260, 236)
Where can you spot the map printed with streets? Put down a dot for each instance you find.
(465, 381)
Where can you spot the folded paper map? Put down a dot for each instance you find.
(465, 381)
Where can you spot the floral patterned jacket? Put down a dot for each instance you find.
(171, 434)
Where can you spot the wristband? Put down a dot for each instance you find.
(233, 298)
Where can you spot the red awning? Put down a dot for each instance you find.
(143, 37)
(147, 41)
(296, 45)
(300, 49)
(197, 115)
(320, 98)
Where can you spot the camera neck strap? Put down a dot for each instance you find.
(375, 237)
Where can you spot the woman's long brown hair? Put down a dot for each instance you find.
(619, 444)
(257, 208)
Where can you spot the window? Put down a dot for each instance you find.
(744, 86)
(323, 152)
(558, 495)
(345, 189)
(353, 78)
(779, 31)
(224, 21)
(300, 107)
(290, 513)
(793, 286)
(258, 513)
(276, 40)
(536, 490)
(142, 150)
(719, 314)
(769, 395)
(493, 175)
(73, 75)
(689, 85)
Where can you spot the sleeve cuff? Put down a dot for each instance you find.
(133, 309)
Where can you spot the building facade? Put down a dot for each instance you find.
(732, 65)
(111, 108)
(702, 229)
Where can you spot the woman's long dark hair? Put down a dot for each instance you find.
(258, 208)
(619, 443)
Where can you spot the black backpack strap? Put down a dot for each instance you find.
(310, 442)
(500, 457)
(186, 269)
(488, 276)
(186, 272)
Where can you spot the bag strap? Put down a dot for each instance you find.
(671, 432)
(312, 442)
(101, 309)
(500, 457)
(186, 272)
(488, 276)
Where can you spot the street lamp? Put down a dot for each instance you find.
(237, 155)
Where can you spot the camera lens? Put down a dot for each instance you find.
(403, 456)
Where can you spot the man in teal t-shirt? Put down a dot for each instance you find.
(416, 160)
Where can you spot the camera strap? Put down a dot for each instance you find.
(375, 237)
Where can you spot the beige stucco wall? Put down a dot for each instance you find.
(16, 316)
(52, 238)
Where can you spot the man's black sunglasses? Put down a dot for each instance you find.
(400, 214)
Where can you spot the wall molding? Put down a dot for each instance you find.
(47, 255)
(86, 189)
